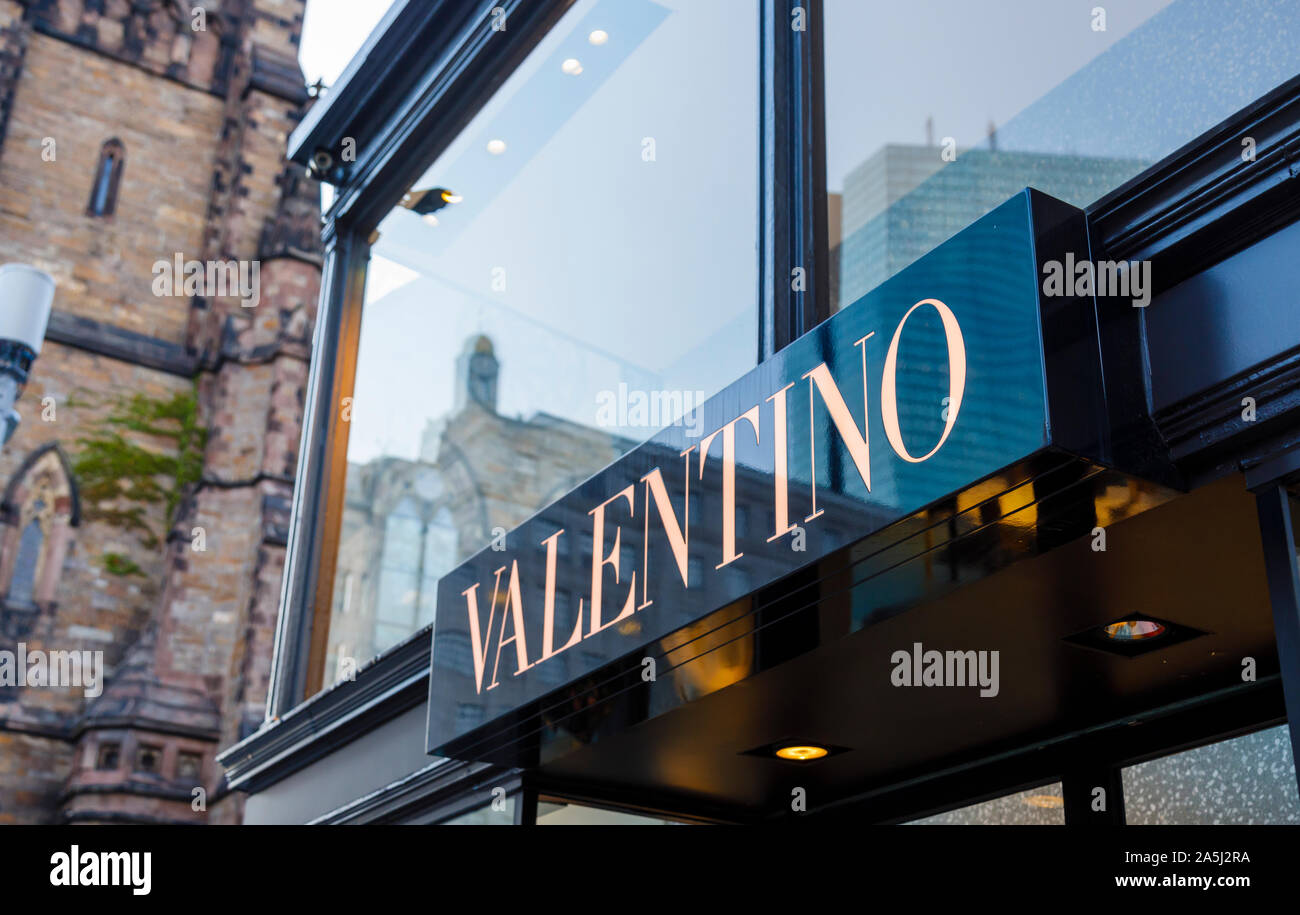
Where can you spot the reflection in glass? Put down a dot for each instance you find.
(498, 813)
(575, 271)
(1036, 807)
(1247, 780)
(939, 110)
(550, 813)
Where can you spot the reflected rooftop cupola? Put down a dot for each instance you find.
(477, 370)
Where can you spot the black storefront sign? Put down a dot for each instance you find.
(955, 371)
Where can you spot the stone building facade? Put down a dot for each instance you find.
(146, 493)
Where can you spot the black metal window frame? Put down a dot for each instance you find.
(422, 77)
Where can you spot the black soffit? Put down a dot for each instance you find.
(1031, 461)
(682, 742)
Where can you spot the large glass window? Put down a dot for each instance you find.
(498, 813)
(1245, 781)
(1036, 807)
(939, 110)
(559, 813)
(576, 270)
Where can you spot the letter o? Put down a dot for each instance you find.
(956, 380)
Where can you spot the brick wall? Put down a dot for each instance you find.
(104, 267)
(188, 632)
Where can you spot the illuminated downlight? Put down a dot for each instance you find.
(1131, 636)
(571, 66)
(496, 147)
(598, 37)
(450, 197)
(1133, 630)
(802, 753)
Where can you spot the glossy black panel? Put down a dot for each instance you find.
(1045, 502)
(909, 505)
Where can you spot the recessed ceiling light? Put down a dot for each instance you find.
(428, 201)
(1133, 630)
(1130, 636)
(796, 750)
(598, 37)
(496, 147)
(429, 219)
(571, 66)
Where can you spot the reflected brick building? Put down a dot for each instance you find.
(408, 523)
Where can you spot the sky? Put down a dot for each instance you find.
(332, 31)
(615, 267)
(891, 65)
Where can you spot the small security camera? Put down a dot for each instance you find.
(321, 163)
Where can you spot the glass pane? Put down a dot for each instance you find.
(501, 813)
(574, 272)
(555, 814)
(939, 110)
(1036, 807)
(1246, 780)
(22, 586)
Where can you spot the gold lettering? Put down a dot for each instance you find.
(477, 644)
(548, 605)
(856, 443)
(514, 612)
(780, 472)
(599, 561)
(729, 554)
(956, 380)
(679, 537)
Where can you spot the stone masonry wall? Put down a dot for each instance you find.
(204, 120)
(104, 266)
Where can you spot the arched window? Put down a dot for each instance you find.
(108, 174)
(22, 586)
(399, 575)
(440, 537)
(40, 509)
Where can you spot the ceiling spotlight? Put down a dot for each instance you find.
(598, 37)
(796, 750)
(429, 219)
(1133, 630)
(1130, 636)
(496, 147)
(571, 66)
(429, 201)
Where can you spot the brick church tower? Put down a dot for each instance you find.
(144, 500)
